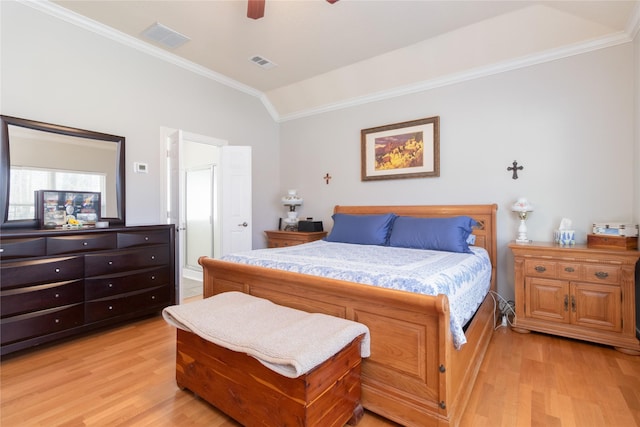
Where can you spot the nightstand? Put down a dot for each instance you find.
(577, 292)
(278, 239)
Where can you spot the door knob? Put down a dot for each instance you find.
(244, 224)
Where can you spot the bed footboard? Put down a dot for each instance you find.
(412, 375)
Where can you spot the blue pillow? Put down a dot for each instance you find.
(440, 234)
(361, 229)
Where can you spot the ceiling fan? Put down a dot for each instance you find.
(255, 8)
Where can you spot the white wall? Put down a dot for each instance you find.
(569, 122)
(55, 72)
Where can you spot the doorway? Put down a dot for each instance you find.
(208, 198)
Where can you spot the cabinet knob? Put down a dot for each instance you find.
(110, 285)
(153, 297)
(110, 263)
(57, 270)
(57, 296)
(57, 320)
(146, 238)
(569, 269)
(110, 307)
(153, 257)
(540, 268)
(153, 277)
(601, 274)
(85, 244)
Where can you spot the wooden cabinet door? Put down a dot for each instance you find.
(547, 299)
(596, 306)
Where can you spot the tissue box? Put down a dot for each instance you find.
(616, 229)
(605, 241)
(564, 237)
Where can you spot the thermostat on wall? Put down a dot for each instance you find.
(140, 167)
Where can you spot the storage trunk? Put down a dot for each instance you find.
(254, 395)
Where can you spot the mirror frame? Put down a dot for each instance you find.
(5, 167)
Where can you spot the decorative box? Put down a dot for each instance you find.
(616, 229)
(606, 241)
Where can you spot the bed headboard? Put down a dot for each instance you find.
(484, 214)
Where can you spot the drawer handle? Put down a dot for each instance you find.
(57, 295)
(110, 263)
(153, 257)
(153, 297)
(57, 270)
(566, 303)
(110, 285)
(85, 244)
(573, 303)
(601, 274)
(153, 277)
(110, 307)
(569, 269)
(540, 269)
(146, 238)
(57, 320)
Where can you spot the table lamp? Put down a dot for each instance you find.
(522, 207)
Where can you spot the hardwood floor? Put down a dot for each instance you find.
(126, 376)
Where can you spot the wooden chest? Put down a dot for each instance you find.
(605, 241)
(254, 395)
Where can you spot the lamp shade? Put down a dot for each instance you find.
(292, 199)
(522, 205)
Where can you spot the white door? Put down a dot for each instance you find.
(236, 199)
(231, 199)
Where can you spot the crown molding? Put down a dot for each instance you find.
(476, 73)
(631, 30)
(81, 21)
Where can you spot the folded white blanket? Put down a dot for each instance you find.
(288, 341)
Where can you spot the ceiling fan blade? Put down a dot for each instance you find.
(255, 9)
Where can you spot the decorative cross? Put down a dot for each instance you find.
(327, 177)
(515, 168)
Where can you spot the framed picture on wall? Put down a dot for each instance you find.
(401, 150)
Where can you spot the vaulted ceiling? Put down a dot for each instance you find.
(330, 55)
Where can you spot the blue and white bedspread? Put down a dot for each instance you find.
(464, 278)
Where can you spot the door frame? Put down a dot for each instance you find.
(165, 133)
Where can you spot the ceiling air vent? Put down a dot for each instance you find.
(165, 36)
(261, 61)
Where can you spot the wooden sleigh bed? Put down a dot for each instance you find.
(414, 376)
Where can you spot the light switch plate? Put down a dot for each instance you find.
(139, 167)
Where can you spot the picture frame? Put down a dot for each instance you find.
(401, 150)
(55, 208)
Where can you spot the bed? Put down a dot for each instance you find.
(415, 375)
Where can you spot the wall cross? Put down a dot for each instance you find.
(327, 177)
(515, 168)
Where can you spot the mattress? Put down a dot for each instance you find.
(464, 278)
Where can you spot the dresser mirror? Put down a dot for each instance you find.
(42, 156)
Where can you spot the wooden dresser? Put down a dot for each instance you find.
(577, 292)
(56, 284)
(278, 239)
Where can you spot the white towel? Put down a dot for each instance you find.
(288, 341)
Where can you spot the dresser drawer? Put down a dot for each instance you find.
(40, 297)
(141, 238)
(540, 268)
(133, 259)
(598, 273)
(569, 270)
(80, 243)
(41, 323)
(49, 270)
(125, 304)
(22, 248)
(106, 286)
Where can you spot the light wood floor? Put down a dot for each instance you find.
(125, 376)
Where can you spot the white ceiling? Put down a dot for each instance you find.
(329, 54)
